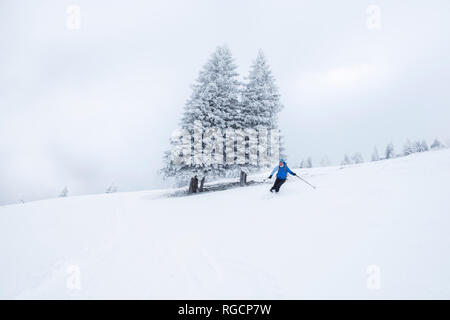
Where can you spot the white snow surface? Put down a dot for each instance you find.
(244, 242)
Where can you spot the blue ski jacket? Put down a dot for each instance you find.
(282, 171)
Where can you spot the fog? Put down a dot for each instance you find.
(85, 107)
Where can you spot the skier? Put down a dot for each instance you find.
(283, 170)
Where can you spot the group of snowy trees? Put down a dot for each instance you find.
(65, 191)
(389, 152)
(354, 159)
(408, 148)
(411, 147)
(306, 163)
(421, 146)
(220, 104)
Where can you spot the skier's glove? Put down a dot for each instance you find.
(270, 177)
(294, 174)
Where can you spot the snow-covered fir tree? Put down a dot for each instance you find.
(420, 146)
(302, 164)
(390, 152)
(416, 146)
(64, 192)
(357, 158)
(375, 155)
(260, 96)
(408, 148)
(437, 144)
(112, 188)
(260, 102)
(346, 161)
(424, 145)
(214, 104)
(309, 162)
(215, 97)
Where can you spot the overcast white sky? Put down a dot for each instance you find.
(87, 107)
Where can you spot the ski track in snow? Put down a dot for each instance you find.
(242, 243)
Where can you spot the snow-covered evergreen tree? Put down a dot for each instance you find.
(424, 145)
(302, 164)
(375, 155)
(390, 152)
(357, 158)
(437, 144)
(420, 146)
(309, 163)
(112, 188)
(346, 161)
(408, 148)
(64, 192)
(215, 97)
(212, 108)
(260, 102)
(260, 96)
(416, 146)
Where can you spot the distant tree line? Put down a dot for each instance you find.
(409, 147)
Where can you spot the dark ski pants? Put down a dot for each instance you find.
(277, 184)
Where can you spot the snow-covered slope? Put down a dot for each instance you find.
(244, 242)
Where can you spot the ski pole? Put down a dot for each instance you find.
(305, 181)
